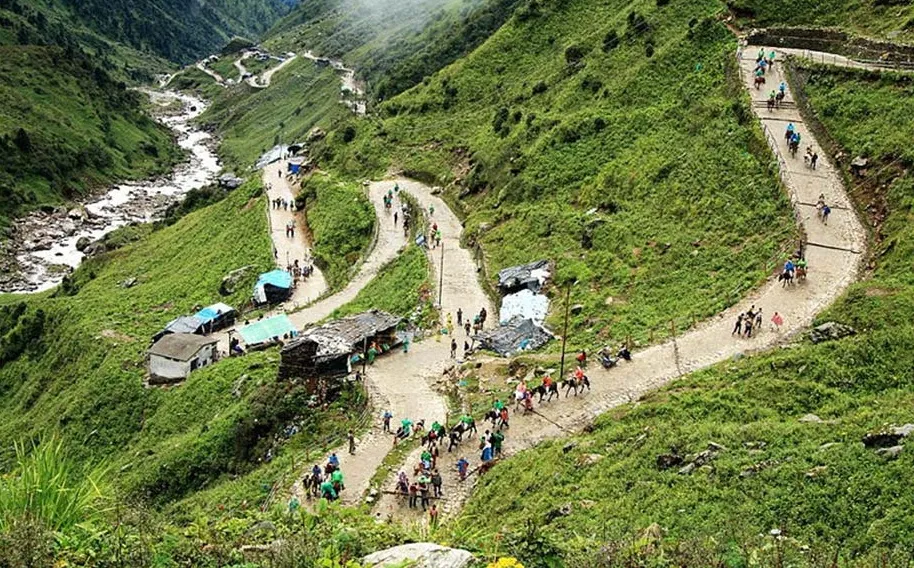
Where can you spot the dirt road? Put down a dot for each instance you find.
(402, 382)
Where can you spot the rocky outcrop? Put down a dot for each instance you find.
(419, 555)
(888, 437)
(830, 331)
(231, 280)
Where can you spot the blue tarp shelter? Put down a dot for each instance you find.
(273, 287)
(217, 316)
(266, 330)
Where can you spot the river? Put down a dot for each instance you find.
(44, 244)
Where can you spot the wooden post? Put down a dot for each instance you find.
(565, 333)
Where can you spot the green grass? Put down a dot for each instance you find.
(225, 66)
(399, 288)
(252, 121)
(341, 220)
(892, 21)
(533, 143)
(816, 482)
(81, 363)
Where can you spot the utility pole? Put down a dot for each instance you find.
(565, 333)
(441, 276)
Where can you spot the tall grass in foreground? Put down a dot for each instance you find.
(48, 488)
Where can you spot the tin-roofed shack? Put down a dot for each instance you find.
(530, 276)
(326, 351)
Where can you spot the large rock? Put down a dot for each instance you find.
(231, 280)
(83, 243)
(420, 555)
(830, 331)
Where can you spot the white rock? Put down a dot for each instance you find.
(422, 555)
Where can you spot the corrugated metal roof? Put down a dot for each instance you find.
(180, 346)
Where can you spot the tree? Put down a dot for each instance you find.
(23, 141)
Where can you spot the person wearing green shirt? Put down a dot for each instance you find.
(498, 405)
(497, 439)
(327, 491)
(337, 477)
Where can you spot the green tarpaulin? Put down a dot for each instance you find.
(265, 330)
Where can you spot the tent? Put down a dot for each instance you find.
(265, 331)
(182, 324)
(217, 316)
(273, 287)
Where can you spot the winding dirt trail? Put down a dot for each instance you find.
(834, 253)
(403, 382)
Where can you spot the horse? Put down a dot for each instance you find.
(491, 415)
(572, 383)
(771, 104)
(543, 390)
(794, 146)
(786, 278)
(778, 99)
(758, 82)
(801, 274)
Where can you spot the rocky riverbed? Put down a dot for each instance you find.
(47, 245)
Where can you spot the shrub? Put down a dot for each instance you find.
(574, 53)
(539, 88)
(610, 41)
(349, 134)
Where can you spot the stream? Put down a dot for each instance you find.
(43, 246)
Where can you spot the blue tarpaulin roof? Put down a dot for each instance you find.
(278, 278)
(265, 330)
(210, 313)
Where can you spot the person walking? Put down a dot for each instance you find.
(459, 317)
(825, 213)
(462, 466)
(351, 437)
(453, 348)
(738, 327)
(466, 328)
(395, 218)
(433, 516)
(436, 483)
(413, 495)
(813, 160)
(777, 320)
(758, 320)
(466, 349)
(387, 416)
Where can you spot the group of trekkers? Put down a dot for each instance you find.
(282, 203)
(300, 271)
(326, 482)
(775, 98)
(763, 63)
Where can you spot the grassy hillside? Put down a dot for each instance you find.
(81, 363)
(815, 482)
(251, 121)
(882, 19)
(67, 127)
(597, 134)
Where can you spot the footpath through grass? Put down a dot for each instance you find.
(814, 483)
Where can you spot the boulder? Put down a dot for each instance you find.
(890, 453)
(78, 214)
(830, 331)
(419, 555)
(315, 135)
(811, 419)
(889, 437)
(667, 461)
(577, 308)
(95, 248)
(230, 181)
(589, 459)
(231, 280)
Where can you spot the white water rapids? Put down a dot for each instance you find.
(48, 243)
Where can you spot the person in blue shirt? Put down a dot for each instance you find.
(333, 460)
